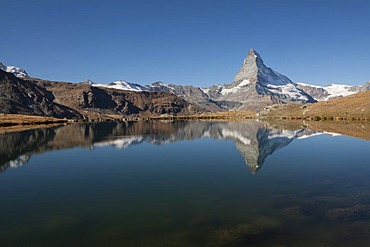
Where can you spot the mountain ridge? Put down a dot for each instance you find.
(254, 82)
(253, 70)
(31, 96)
(254, 87)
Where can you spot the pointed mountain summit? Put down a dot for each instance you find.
(254, 70)
(249, 70)
(256, 86)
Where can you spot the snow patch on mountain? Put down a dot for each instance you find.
(160, 84)
(308, 85)
(18, 72)
(333, 134)
(19, 161)
(205, 90)
(336, 90)
(235, 135)
(236, 88)
(121, 143)
(309, 135)
(289, 134)
(318, 134)
(123, 85)
(288, 90)
(324, 93)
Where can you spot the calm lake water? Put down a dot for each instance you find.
(183, 184)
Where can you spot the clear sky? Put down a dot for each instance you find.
(200, 42)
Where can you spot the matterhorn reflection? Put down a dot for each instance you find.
(255, 140)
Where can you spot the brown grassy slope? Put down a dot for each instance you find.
(17, 122)
(356, 105)
(353, 106)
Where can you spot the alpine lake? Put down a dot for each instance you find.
(186, 183)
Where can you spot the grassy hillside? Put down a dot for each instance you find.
(353, 107)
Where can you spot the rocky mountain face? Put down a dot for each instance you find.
(365, 87)
(71, 100)
(25, 97)
(192, 94)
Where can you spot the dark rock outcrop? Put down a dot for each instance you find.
(25, 97)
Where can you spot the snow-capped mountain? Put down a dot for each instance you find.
(123, 85)
(255, 86)
(332, 91)
(18, 72)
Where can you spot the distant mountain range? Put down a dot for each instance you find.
(332, 91)
(254, 82)
(254, 87)
(32, 96)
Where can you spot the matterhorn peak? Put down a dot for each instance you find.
(250, 67)
(251, 52)
(255, 71)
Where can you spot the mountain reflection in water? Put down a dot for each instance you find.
(254, 140)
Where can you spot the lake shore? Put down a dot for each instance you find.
(18, 122)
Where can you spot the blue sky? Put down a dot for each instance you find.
(200, 42)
